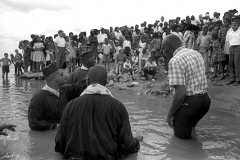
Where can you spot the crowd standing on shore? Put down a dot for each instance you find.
(190, 48)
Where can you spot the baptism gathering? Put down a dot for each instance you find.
(93, 125)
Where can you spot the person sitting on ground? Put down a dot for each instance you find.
(120, 59)
(106, 134)
(9, 127)
(47, 105)
(127, 67)
(150, 69)
(88, 60)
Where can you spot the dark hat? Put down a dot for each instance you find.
(60, 31)
(97, 74)
(50, 70)
(86, 55)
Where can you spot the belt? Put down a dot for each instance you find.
(198, 95)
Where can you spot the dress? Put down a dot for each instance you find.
(218, 54)
(38, 56)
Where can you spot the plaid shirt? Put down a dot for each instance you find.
(187, 68)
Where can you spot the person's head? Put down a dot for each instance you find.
(60, 33)
(11, 55)
(39, 39)
(170, 44)
(53, 76)
(97, 75)
(136, 27)
(67, 38)
(151, 59)
(226, 15)
(165, 24)
(235, 24)
(215, 36)
(121, 51)
(92, 32)
(88, 59)
(117, 43)
(226, 22)
(5, 55)
(205, 30)
(16, 51)
(200, 16)
(111, 29)
(161, 24)
(177, 28)
(149, 46)
(55, 35)
(33, 36)
(47, 39)
(116, 29)
(137, 31)
(167, 30)
(102, 30)
(106, 40)
(70, 35)
(42, 36)
(192, 17)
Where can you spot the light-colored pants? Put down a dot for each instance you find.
(60, 57)
(205, 58)
(234, 62)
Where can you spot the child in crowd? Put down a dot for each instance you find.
(156, 45)
(150, 69)
(117, 49)
(82, 48)
(127, 46)
(203, 44)
(135, 58)
(5, 63)
(217, 56)
(72, 56)
(67, 52)
(222, 39)
(136, 39)
(49, 56)
(38, 54)
(120, 59)
(106, 47)
(18, 59)
(112, 51)
(127, 67)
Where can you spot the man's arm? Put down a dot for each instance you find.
(125, 137)
(178, 98)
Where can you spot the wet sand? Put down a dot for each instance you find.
(217, 134)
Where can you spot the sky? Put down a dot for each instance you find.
(21, 18)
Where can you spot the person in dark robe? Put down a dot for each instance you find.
(88, 60)
(47, 105)
(92, 39)
(96, 125)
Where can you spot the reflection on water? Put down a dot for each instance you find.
(218, 134)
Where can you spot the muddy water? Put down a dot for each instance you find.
(217, 135)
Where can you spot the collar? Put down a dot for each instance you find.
(97, 89)
(84, 68)
(177, 50)
(49, 89)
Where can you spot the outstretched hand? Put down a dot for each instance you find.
(9, 127)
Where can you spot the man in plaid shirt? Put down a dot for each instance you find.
(187, 76)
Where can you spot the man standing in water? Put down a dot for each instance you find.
(187, 76)
(46, 106)
(95, 125)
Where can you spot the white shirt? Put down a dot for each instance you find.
(127, 65)
(48, 56)
(148, 64)
(49, 89)
(195, 22)
(126, 43)
(101, 37)
(60, 41)
(233, 37)
(118, 34)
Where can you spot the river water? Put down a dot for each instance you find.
(217, 134)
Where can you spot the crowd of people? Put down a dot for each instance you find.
(93, 124)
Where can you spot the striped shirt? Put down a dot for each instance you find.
(187, 68)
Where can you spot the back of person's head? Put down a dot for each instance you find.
(190, 27)
(5, 54)
(12, 56)
(98, 75)
(215, 36)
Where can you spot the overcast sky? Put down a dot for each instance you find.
(20, 18)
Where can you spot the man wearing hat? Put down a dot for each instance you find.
(88, 60)
(95, 125)
(60, 45)
(46, 106)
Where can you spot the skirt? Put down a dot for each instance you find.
(218, 55)
(38, 56)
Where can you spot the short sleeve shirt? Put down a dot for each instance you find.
(187, 68)
(60, 41)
